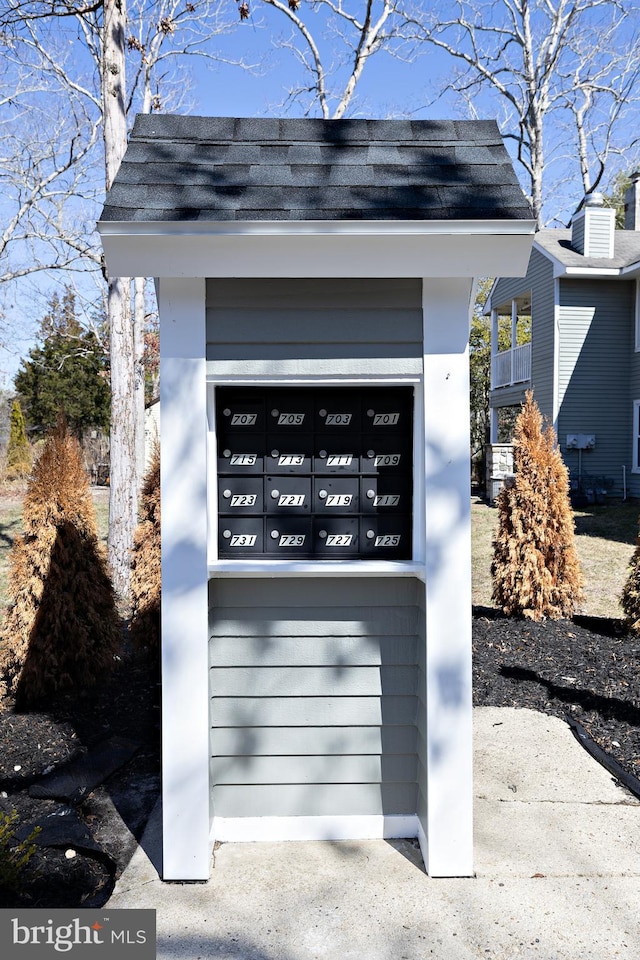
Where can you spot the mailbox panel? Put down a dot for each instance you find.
(387, 412)
(240, 537)
(338, 412)
(287, 495)
(385, 494)
(385, 538)
(315, 473)
(289, 453)
(241, 453)
(336, 454)
(240, 411)
(240, 495)
(386, 454)
(289, 411)
(335, 537)
(336, 495)
(288, 536)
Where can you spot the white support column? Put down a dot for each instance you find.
(185, 670)
(495, 346)
(514, 335)
(449, 789)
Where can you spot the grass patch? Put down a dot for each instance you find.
(605, 541)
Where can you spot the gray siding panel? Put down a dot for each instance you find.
(373, 322)
(596, 342)
(313, 703)
(313, 799)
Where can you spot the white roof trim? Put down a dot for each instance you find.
(258, 228)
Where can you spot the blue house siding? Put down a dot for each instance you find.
(595, 345)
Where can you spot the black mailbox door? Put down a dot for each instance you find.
(315, 472)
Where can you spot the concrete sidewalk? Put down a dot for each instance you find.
(557, 857)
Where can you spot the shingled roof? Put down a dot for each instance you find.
(224, 169)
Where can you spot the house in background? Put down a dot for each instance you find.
(580, 300)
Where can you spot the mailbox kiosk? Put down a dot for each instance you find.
(315, 282)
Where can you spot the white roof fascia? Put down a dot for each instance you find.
(594, 272)
(317, 248)
(632, 270)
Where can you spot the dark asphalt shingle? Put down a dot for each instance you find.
(224, 168)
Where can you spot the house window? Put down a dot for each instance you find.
(636, 436)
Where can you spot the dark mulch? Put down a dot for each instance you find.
(86, 771)
(586, 669)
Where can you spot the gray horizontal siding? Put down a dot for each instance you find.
(313, 689)
(276, 322)
(596, 343)
(289, 741)
(305, 651)
(313, 799)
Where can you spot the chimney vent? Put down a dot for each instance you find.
(593, 228)
(632, 203)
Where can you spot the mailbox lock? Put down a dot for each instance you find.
(275, 453)
(323, 454)
(226, 453)
(322, 412)
(322, 494)
(371, 454)
(226, 493)
(226, 534)
(322, 534)
(275, 534)
(371, 494)
(371, 413)
(227, 412)
(275, 494)
(370, 534)
(275, 413)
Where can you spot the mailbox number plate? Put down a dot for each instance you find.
(339, 539)
(290, 419)
(244, 419)
(338, 500)
(243, 540)
(386, 419)
(292, 540)
(243, 500)
(388, 540)
(291, 500)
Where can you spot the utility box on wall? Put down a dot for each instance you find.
(315, 283)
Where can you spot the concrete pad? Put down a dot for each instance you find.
(558, 876)
(525, 755)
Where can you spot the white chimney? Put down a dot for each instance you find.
(632, 203)
(593, 228)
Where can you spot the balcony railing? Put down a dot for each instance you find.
(511, 366)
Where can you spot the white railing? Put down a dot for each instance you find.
(511, 366)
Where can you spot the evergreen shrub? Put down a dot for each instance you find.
(535, 569)
(61, 629)
(145, 562)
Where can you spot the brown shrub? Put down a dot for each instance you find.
(145, 562)
(61, 629)
(630, 598)
(535, 569)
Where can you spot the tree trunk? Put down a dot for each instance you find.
(139, 318)
(123, 479)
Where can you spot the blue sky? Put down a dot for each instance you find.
(388, 87)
